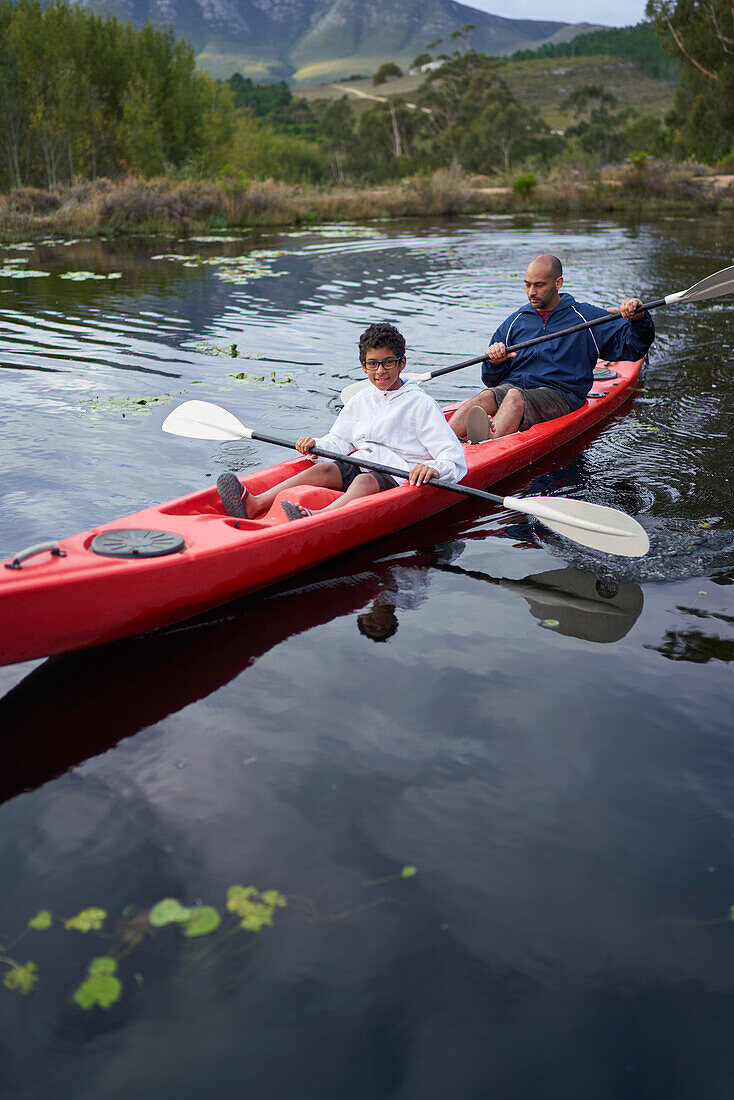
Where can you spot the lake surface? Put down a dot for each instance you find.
(504, 832)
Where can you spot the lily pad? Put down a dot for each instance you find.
(100, 987)
(83, 276)
(254, 909)
(204, 919)
(41, 921)
(169, 911)
(7, 272)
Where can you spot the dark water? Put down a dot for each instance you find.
(547, 736)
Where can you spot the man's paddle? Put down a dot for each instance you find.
(593, 525)
(713, 286)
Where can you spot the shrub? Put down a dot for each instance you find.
(524, 184)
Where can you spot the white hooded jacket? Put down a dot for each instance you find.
(397, 428)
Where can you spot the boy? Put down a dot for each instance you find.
(392, 421)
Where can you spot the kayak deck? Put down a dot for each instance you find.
(74, 596)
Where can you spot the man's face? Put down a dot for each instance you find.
(541, 288)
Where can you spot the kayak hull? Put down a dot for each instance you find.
(51, 604)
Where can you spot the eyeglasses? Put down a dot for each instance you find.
(372, 364)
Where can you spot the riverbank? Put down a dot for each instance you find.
(165, 205)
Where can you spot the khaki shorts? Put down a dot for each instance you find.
(541, 403)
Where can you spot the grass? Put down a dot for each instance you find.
(132, 205)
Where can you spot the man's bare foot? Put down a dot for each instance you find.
(479, 426)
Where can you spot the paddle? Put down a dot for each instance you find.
(713, 286)
(593, 525)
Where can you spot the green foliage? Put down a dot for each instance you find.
(82, 95)
(386, 70)
(203, 920)
(199, 920)
(639, 44)
(168, 911)
(524, 184)
(261, 152)
(254, 909)
(599, 130)
(22, 978)
(88, 920)
(41, 921)
(408, 871)
(100, 987)
(699, 36)
(474, 118)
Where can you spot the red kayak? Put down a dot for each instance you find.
(174, 560)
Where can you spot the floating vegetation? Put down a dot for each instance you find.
(101, 987)
(246, 910)
(345, 229)
(82, 276)
(10, 272)
(205, 348)
(233, 269)
(274, 380)
(135, 406)
(223, 239)
(23, 246)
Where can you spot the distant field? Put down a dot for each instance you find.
(538, 84)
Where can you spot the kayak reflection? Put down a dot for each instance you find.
(81, 704)
(575, 603)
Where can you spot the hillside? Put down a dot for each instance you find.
(540, 84)
(308, 40)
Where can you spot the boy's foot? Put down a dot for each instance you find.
(478, 425)
(295, 511)
(232, 494)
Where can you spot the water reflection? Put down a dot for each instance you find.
(578, 604)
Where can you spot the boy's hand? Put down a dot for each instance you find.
(421, 473)
(304, 444)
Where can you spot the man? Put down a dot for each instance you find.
(551, 379)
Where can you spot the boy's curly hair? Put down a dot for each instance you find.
(381, 335)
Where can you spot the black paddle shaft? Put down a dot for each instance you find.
(549, 336)
(365, 463)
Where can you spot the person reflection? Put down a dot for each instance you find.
(406, 587)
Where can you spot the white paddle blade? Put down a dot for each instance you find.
(355, 387)
(203, 420)
(713, 286)
(593, 525)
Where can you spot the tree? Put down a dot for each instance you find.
(701, 36)
(385, 71)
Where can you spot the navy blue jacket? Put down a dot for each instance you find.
(566, 364)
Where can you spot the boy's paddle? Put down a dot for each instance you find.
(713, 286)
(594, 525)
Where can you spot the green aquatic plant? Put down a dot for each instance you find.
(206, 348)
(22, 978)
(82, 276)
(88, 920)
(242, 376)
(254, 909)
(42, 921)
(100, 987)
(168, 911)
(203, 920)
(126, 405)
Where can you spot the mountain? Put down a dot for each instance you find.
(327, 39)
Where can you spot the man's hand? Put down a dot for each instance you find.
(497, 353)
(304, 444)
(629, 308)
(421, 473)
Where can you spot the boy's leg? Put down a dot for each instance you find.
(325, 474)
(486, 400)
(364, 485)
